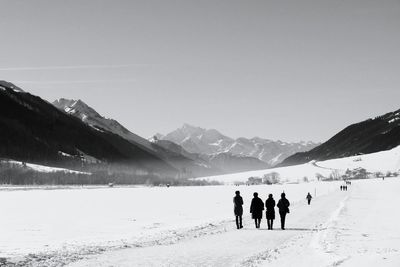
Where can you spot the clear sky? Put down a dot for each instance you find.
(285, 69)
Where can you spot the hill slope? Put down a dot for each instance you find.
(372, 135)
(33, 130)
(187, 164)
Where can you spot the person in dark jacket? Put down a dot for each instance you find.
(309, 197)
(283, 205)
(238, 209)
(256, 209)
(270, 213)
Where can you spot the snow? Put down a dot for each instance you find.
(42, 168)
(193, 226)
(88, 115)
(44, 221)
(275, 160)
(287, 174)
(65, 154)
(381, 161)
(4, 84)
(211, 142)
(362, 231)
(353, 228)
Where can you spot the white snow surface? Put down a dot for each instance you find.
(353, 228)
(43, 168)
(380, 161)
(193, 226)
(70, 221)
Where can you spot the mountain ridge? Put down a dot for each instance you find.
(368, 136)
(34, 130)
(210, 141)
(189, 163)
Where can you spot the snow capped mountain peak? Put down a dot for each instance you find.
(77, 108)
(210, 142)
(191, 130)
(88, 115)
(5, 84)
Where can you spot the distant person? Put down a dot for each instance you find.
(256, 209)
(238, 209)
(341, 188)
(270, 213)
(309, 197)
(283, 205)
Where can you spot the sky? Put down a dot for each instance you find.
(286, 69)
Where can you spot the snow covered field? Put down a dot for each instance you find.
(192, 226)
(59, 223)
(353, 228)
(383, 161)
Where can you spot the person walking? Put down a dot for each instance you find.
(256, 209)
(270, 211)
(309, 197)
(283, 205)
(238, 209)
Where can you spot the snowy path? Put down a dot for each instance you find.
(355, 228)
(364, 231)
(247, 247)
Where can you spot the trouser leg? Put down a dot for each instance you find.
(269, 223)
(283, 215)
(237, 222)
(272, 224)
(240, 222)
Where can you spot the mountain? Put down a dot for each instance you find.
(5, 84)
(33, 130)
(188, 164)
(211, 142)
(372, 135)
(89, 116)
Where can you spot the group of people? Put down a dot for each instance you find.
(343, 188)
(257, 208)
